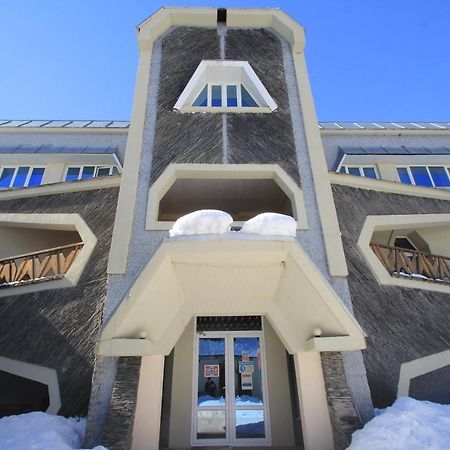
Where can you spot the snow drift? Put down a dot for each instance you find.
(41, 431)
(407, 425)
(205, 221)
(272, 224)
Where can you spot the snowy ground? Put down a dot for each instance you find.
(407, 425)
(41, 431)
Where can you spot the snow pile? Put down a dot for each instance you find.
(407, 425)
(41, 431)
(272, 224)
(206, 221)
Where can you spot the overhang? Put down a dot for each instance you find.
(232, 274)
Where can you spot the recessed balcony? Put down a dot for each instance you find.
(414, 264)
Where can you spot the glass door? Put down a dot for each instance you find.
(230, 393)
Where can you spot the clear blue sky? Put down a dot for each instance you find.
(368, 60)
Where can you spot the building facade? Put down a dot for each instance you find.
(237, 328)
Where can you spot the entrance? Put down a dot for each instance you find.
(230, 391)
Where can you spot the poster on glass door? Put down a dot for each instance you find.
(246, 381)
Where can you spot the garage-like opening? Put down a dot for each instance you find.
(20, 395)
(241, 198)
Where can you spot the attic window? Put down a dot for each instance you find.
(229, 95)
(225, 86)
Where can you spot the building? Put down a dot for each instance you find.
(228, 338)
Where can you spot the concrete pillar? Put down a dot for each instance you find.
(316, 424)
(147, 419)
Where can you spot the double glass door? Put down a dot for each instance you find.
(230, 394)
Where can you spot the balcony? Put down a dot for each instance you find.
(38, 266)
(417, 265)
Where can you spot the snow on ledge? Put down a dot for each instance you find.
(206, 221)
(271, 224)
(38, 430)
(407, 425)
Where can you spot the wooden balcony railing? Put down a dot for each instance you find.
(38, 266)
(400, 262)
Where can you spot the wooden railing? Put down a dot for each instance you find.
(38, 266)
(400, 262)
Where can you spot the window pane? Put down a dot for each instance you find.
(369, 172)
(72, 173)
(102, 171)
(403, 175)
(247, 99)
(342, 170)
(21, 176)
(211, 372)
(250, 423)
(439, 175)
(88, 172)
(403, 242)
(211, 424)
(216, 94)
(115, 170)
(231, 95)
(353, 171)
(36, 176)
(421, 177)
(6, 177)
(202, 99)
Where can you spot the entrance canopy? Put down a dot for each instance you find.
(230, 275)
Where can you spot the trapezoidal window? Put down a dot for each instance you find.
(230, 86)
(241, 198)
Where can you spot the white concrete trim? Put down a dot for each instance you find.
(223, 171)
(53, 222)
(228, 72)
(40, 374)
(418, 367)
(398, 222)
(61, 188)
(315, 418)
(147, 418)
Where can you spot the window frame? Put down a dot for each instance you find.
(31, 167)
(224, 96)
(82, 166)
(361, 168)
(427, 167)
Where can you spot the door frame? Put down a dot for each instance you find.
(230, 439)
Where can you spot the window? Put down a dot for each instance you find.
(74, 173)
(229, 95)
(360, 171)
(20, 176)
(218, 86)
(428, 176)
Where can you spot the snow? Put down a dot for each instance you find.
(407, 425)
(206, 221)
(41, 431)
(272, 224)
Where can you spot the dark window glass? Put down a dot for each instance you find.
(72, 173)
(342, 170)
(247, 99)
(369, 172)
(36, 176)
(202, 99)
(354, 171)
(231, 95)
(403, 175)
(21, 176)
(420, 175)
(216, 95)
(115, 170)
(102, 171)
(405, 243)
(6, 177)
(439, 175)
(88, 172)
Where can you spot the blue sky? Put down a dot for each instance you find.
(376, 60)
